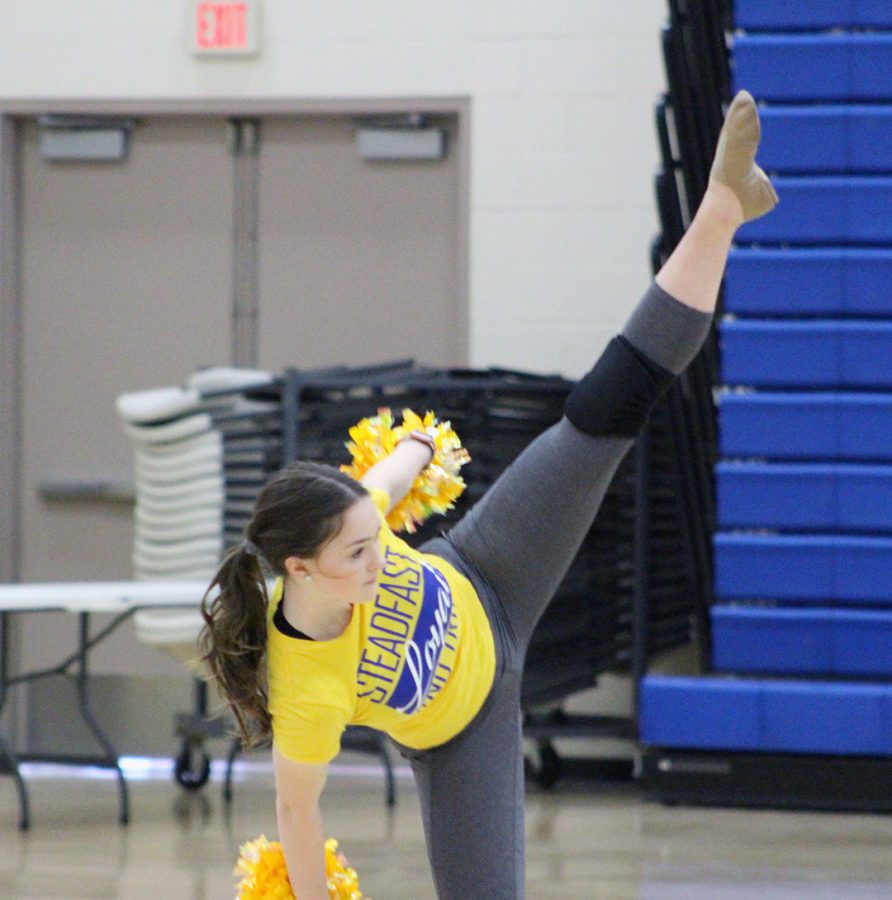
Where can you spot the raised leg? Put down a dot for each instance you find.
(738, 192)
(524, 533)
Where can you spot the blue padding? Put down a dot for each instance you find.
(766, 715)
(809, 282)
(833, 139)
(825, 210)
(804, 497)
(771, 640)
(827, 718)
(813, 568)
(812, 354)
(812, 14)
(824, 67)
(699, 712)
(861, 644)
(814, 426)
(803, 641)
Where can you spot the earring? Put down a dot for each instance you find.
(308, 577)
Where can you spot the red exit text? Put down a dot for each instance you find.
(221, 26)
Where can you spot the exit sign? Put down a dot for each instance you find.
(224, 29)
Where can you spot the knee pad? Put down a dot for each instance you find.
(616, 397)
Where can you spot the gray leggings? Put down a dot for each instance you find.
(516, 546)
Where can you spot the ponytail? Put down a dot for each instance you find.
(298, 511)
(233, 641)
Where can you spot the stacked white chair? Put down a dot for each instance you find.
(197, 457)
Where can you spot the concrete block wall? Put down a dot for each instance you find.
(562, 149)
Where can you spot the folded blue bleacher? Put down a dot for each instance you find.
(814, 67)
(816, 281)
(767, 715)
(833, 139)
(771, 15)
(817, 354)
(801, 626)
(818, 569)
(804, 496)
(826, 210)
(806, 426)
(821, 642)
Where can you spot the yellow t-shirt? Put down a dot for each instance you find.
(417, 662)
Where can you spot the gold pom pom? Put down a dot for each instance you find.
(343, 882)
(264, 876)
(436, 488)
(261, 865)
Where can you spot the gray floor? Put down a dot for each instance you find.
(585, 840)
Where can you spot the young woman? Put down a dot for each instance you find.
(428, 645)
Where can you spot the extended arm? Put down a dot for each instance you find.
(298, 789)
(396, 473)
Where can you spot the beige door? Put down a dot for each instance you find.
(359, 261)
(125, 285)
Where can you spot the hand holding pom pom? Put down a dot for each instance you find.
(436, 488)
(261, 865)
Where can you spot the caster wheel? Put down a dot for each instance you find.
(192, 769)
(547, 768)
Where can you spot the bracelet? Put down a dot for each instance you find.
(423, 438)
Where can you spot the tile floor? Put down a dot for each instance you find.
(595, 839)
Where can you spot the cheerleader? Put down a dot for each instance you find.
(428, 644)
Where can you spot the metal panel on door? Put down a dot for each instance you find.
(359, 261)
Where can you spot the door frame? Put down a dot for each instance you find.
(13, 110)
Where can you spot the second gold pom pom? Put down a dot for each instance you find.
(436, 488)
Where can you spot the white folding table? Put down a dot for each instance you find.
(122, 599)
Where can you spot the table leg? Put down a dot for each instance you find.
(9, 764)
(83, 695)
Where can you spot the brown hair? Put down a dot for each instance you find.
(296, 514)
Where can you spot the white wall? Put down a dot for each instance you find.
(563, 149)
